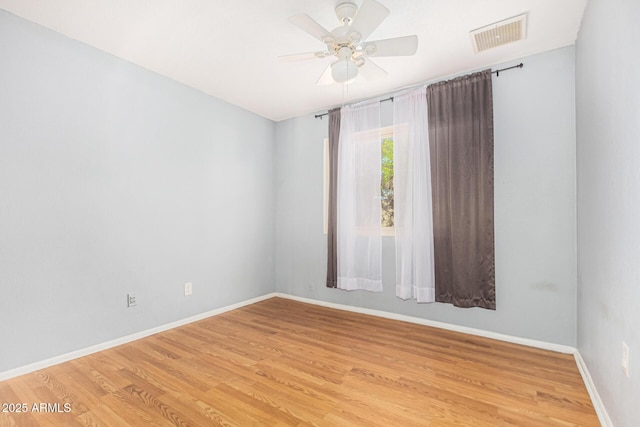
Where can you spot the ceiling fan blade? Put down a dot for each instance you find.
(309, 25)
(371, 71)
(399, 46)
(302, 56)
(369, 17)
(326, 78)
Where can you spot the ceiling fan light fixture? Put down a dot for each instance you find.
(344, 71)
(355, 37)
(370, 49)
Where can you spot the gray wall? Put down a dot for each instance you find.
(114, 179)
(608, 165)
(534, 210)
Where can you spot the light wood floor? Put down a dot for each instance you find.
(280, 362)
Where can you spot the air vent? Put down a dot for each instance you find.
(499, 33)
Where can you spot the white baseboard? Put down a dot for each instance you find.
(603, 416)
(560, 348)
(582, 367)
(22, 370)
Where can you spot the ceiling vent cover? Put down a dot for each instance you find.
(499, 33)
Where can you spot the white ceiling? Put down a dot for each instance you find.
(228, 49)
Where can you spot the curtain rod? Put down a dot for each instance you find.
(320, 116)
(496, 72)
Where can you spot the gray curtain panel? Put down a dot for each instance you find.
(461, 143)
(332, 230)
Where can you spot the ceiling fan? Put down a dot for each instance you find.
(348, 42)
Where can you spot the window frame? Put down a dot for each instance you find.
(385, 133)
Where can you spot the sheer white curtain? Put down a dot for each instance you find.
(413, 217)
(359, 243)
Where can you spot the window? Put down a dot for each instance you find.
(386, 184)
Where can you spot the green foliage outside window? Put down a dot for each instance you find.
(386, 186)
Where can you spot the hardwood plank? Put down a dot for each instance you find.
(284, 363)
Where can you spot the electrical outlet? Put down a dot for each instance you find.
(131, 300)
(188, 289)
(625, 358)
